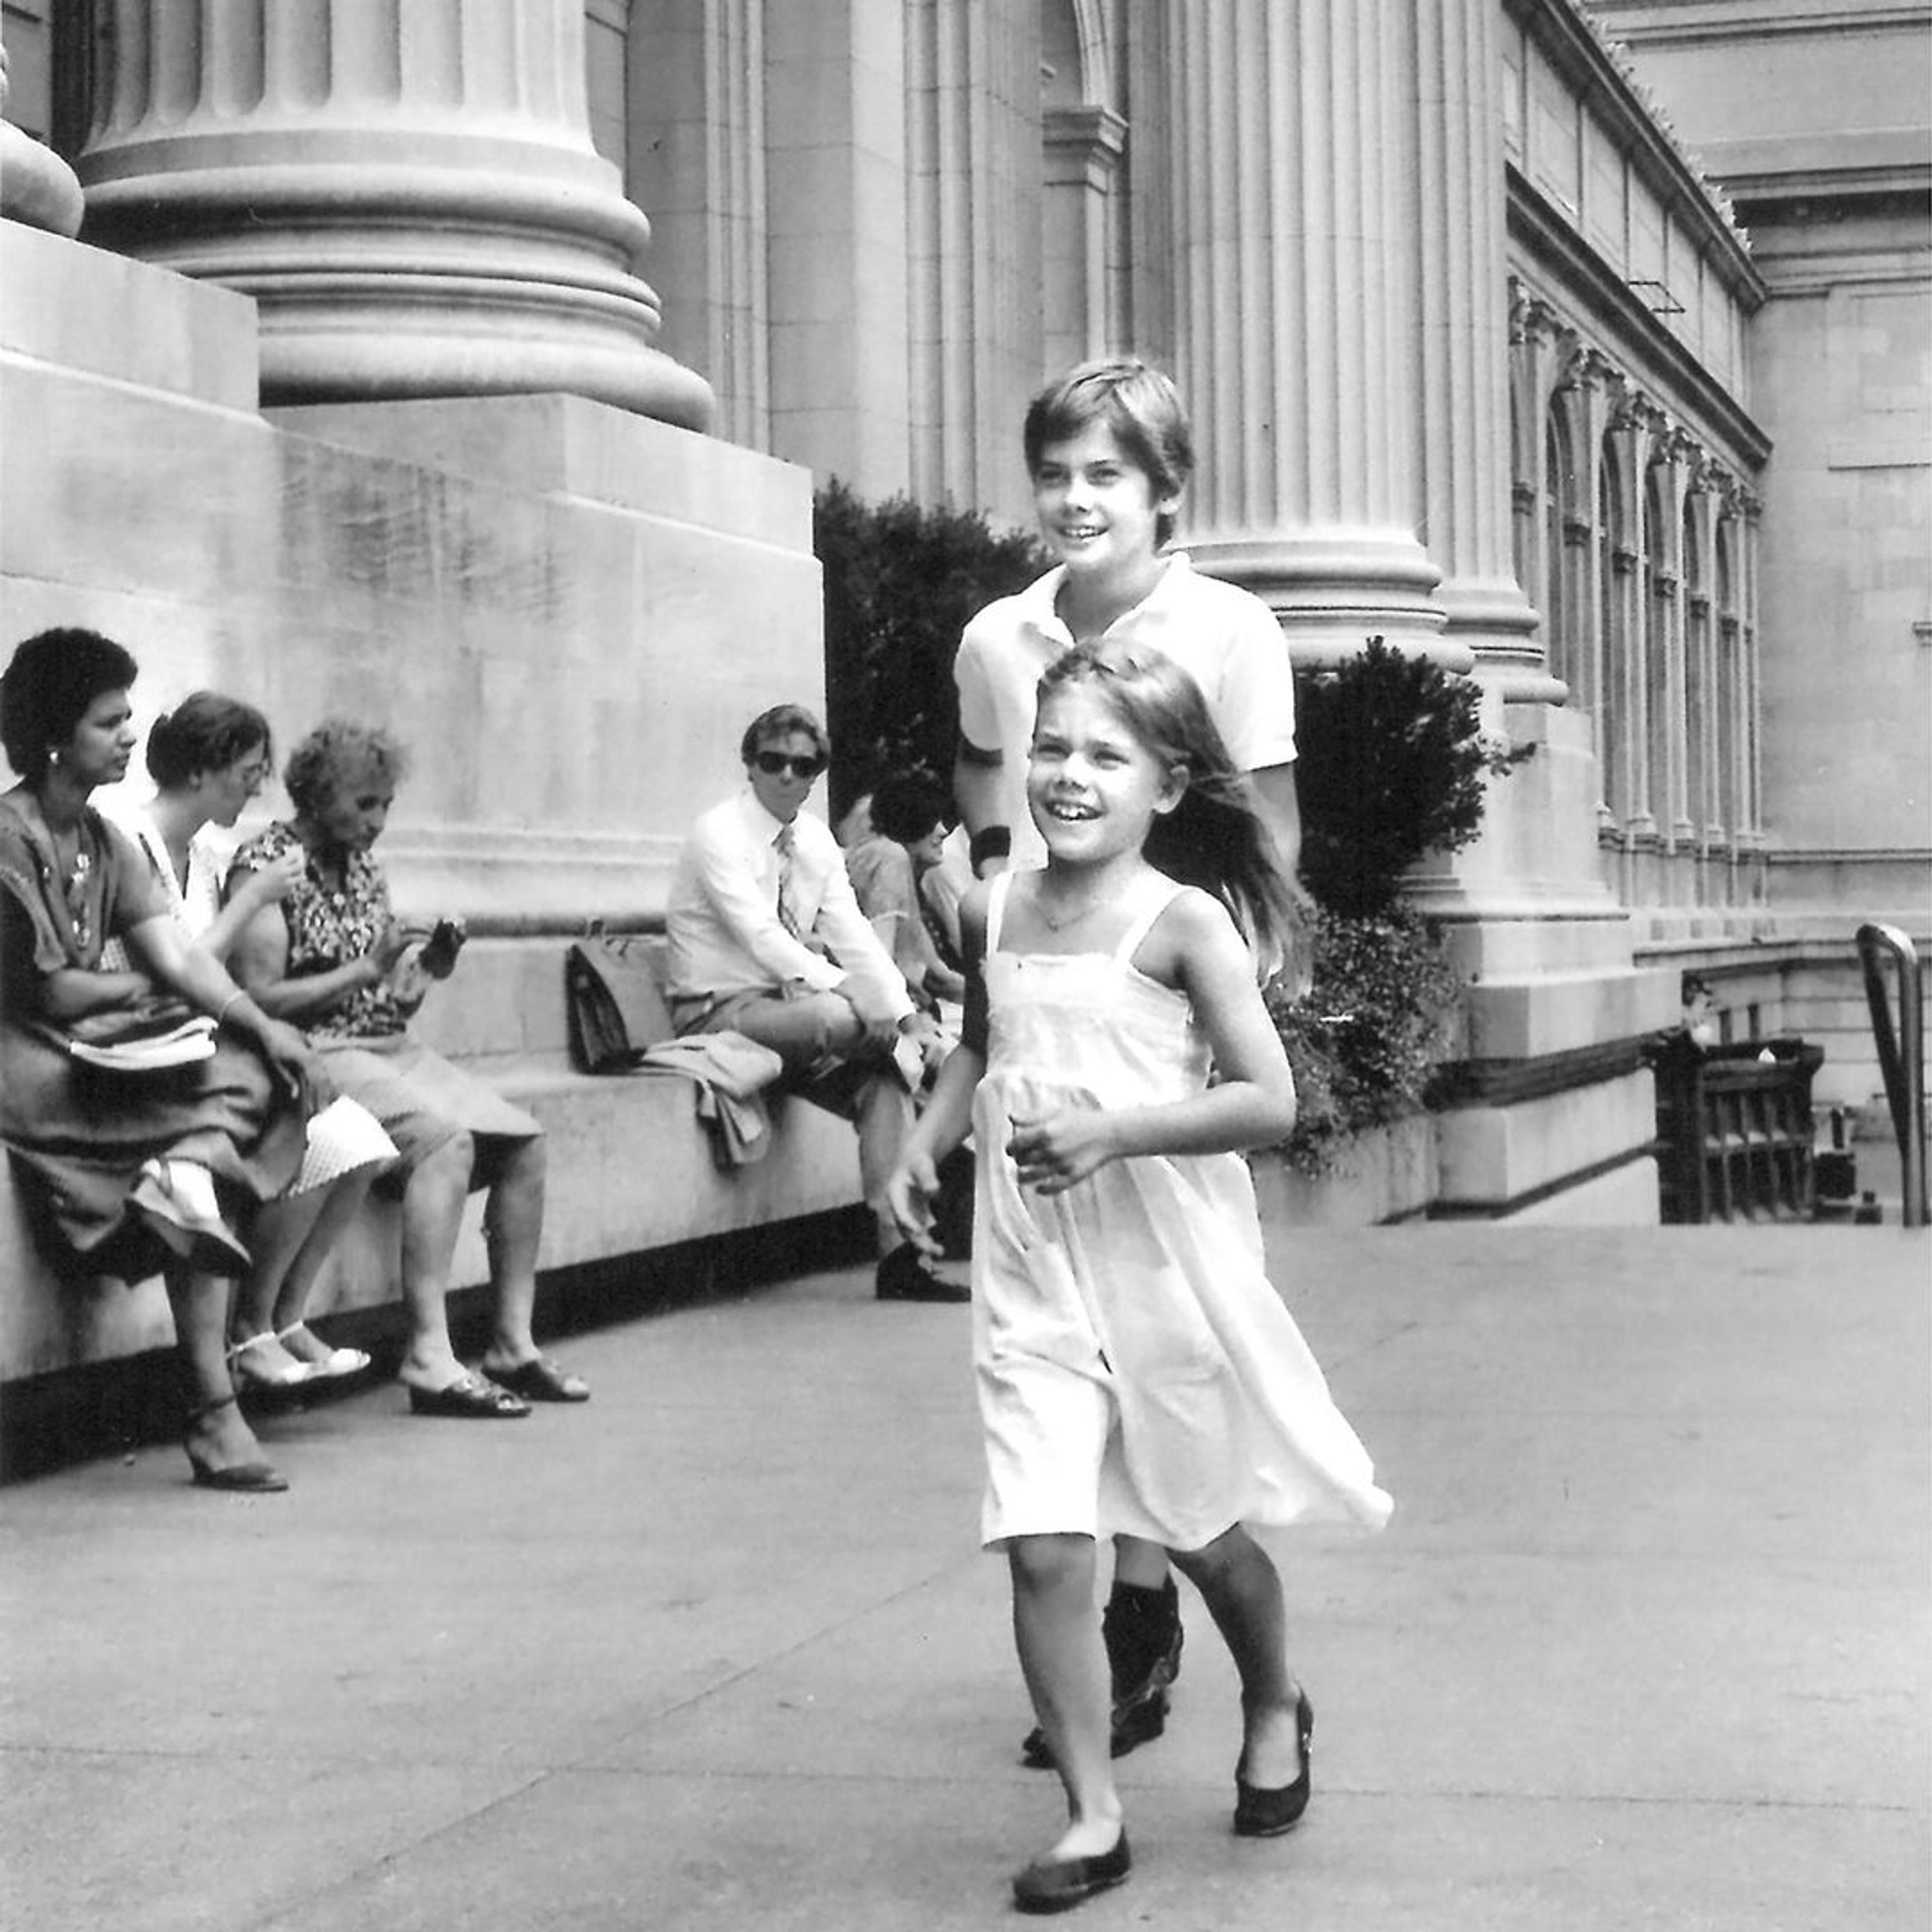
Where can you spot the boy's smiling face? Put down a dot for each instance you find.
(1097, 507)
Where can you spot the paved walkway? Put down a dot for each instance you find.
(1645, 1645)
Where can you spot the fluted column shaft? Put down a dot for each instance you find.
(407, 188)
(1294, 311)
(1462, 379)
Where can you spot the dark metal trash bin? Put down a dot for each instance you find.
(1734, 1129)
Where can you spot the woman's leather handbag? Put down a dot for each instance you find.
(616, 1009)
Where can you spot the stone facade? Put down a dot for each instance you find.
(1482, 356)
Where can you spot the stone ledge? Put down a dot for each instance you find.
(99, 315)
(631, 1171)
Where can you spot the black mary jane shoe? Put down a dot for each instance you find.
(1058, 1884)
(1263, 1812)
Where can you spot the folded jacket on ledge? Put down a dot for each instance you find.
(731, 1073)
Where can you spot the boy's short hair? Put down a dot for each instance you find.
(780, 721)
(1137, 402)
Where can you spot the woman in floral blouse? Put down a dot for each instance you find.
(332, 958)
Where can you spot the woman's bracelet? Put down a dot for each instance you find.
(221, 1011)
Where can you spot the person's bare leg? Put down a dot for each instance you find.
(885, 1120)
(1142, 1564)
(344, 1203)
(1061, 1657)
(1238, 1581)
(513, 1227)
(275, 1236)
(432, 1204)
(217, 1436)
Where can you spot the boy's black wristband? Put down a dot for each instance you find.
(995, 841)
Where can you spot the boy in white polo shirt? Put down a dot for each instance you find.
(1109, 451)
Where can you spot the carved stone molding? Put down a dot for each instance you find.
(1588, 368)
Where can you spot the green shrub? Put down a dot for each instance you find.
(901, 581)
(1378, 1022)
(1391, 767)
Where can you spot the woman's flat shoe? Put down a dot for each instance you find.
(1262, 1812)
(541, 1380)
(1056, 1884)
(469, 1397)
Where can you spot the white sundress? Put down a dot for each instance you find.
(1137, 1372)
(344, 1135)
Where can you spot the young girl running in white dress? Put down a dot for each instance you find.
(1137, 1372)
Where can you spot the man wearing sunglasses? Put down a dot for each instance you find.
(767, 940)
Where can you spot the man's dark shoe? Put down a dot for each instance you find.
(903, 1277)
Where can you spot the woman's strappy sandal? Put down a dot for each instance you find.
(251, 1479)
(244, 1367)
(332, 1366)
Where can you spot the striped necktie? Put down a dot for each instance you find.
(782, 845)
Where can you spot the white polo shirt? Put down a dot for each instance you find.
(1225, 637)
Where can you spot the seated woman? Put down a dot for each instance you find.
(209, 758)
(330, 957)
(907, 823)
(129, 1174)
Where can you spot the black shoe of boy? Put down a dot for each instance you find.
(1142, 1630)
(903, 1277)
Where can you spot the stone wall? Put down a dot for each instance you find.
(567, 612)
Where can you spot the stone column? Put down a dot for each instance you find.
(1294, 312)
(695, 76)
(1461, 398)
(406, 187)
(36, 187)
(1082, 145)
(973, 236)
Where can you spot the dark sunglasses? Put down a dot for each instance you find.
(772, 763)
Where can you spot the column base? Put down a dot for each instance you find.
(1332, 590)
(380, 344)
(1498, 624)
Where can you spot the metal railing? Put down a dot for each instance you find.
(1901, 1053)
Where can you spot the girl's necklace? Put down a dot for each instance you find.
(1066, 919)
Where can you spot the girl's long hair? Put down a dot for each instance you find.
(1216, 837)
